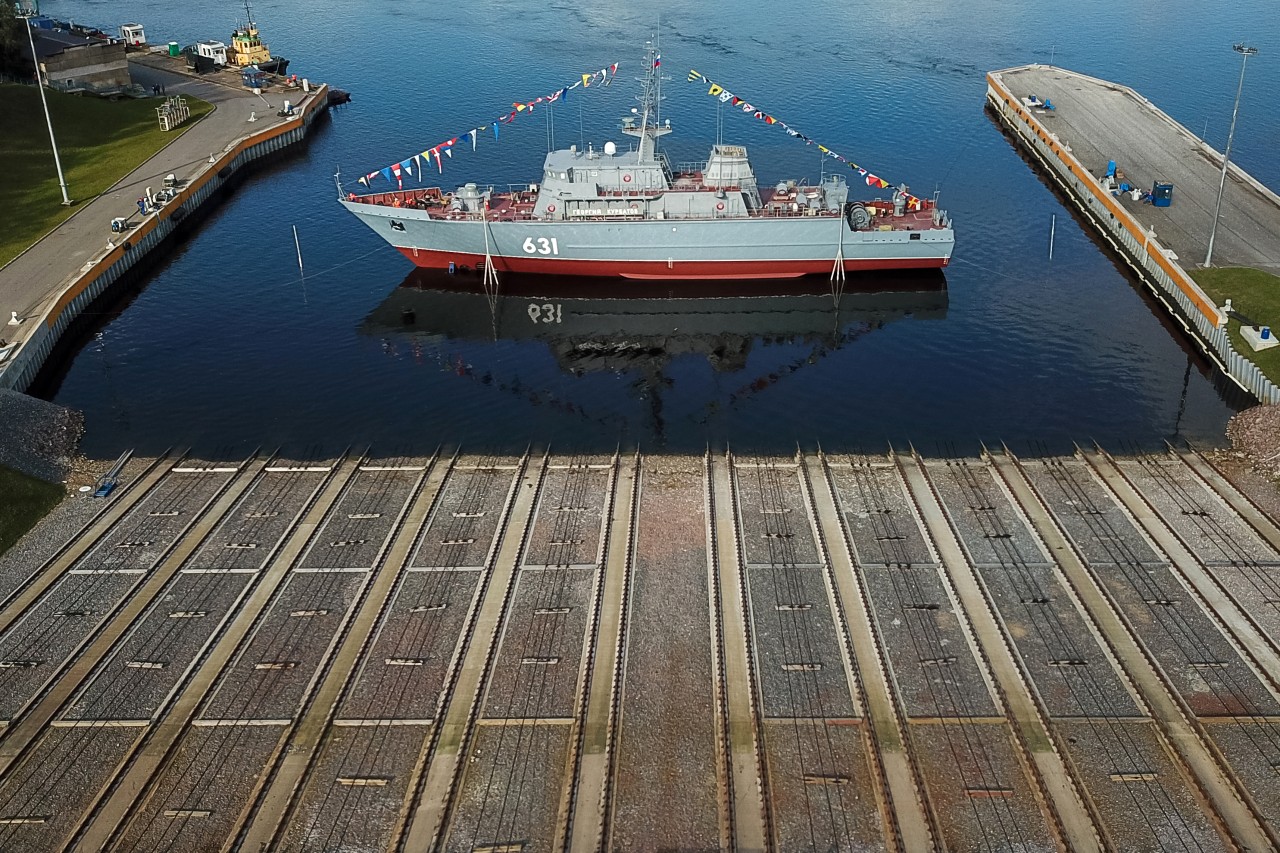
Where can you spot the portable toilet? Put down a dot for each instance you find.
(253, 77)
(133, 34)
(1162, 194)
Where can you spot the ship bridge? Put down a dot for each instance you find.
(572, 178)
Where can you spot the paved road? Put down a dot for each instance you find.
(31, 281)
(1103, 121)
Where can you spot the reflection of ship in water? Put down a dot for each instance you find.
(642, 334)
(588, 333)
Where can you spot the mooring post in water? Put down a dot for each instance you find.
(301, 272)
(1053, 226)
(298, 246)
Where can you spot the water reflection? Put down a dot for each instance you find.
(628, 331)
(432, 317)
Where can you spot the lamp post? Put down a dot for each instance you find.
(1245, 53)
(62, 182)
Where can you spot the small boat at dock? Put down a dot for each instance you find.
(247, 48)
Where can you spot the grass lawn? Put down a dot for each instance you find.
(100, 141)
(1256, 295)
(26, 501)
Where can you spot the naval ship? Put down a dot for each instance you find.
(607, 212)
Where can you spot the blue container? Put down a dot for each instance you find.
(1162, 194)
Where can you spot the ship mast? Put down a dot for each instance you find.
(650, 109)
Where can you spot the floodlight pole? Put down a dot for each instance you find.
(1244, 52)
(62, 182)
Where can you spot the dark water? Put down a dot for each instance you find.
(226, 350)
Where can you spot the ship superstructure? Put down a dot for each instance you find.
(607, 212)
(247, 48)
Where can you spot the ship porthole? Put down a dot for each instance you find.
(551, 208)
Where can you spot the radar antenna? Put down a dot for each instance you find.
(650, 109)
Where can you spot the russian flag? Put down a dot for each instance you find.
(657, 60)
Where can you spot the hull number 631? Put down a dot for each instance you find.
(541, 246)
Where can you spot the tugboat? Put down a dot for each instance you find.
(608, 212)
(247, 48)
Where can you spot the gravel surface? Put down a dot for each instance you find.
(511, 789)
(410, 632)
(1253, 752)
(141, 539)
(62, 525)
(520, 686)
(38, 438)
(214, 769)
(797, 652)
(985, 523)
(355, 530)
(336, 818)
(245, 692)
(570, 516)
(775, 521)
(667, 727)
(933, 666)
(260, 519)
(1047, 630)
(880, 519)
(840, 817)
(1253, 462)
(665, 793)
(46, 639)
(1156, 815)
(1204, 522)
(1178, 634)
(1099, 527)
(119, 691)
(57, 781)
(959, 759)
(465, 520)
(1255, 433)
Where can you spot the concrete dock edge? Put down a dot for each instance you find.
(78, 291)
(1175, 289)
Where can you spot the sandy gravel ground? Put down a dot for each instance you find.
(38, 438)
(1253, 462)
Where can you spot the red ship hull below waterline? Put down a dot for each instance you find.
(684, 270)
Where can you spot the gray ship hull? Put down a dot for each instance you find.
(728, 248)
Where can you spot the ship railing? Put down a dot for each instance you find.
(691, 167)
(665, 163)
(774, 212)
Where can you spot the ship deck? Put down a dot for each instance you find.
(519, 206)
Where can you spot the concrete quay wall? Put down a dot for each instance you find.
(1152, 261)
(79, 291)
